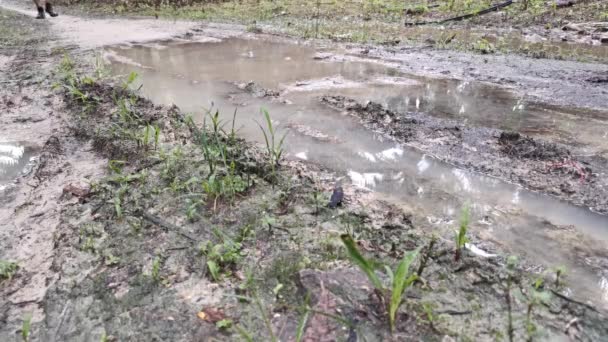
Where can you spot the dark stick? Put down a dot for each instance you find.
(568, 299)
(161, 223)
(463, 17)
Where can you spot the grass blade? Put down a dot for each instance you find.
(265, 318)
(265, 137)
(400, 282)
(360, 261)
(302, 326)
(244, 333)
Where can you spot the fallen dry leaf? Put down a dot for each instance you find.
(211, 315)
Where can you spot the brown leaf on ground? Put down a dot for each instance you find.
(211, 315)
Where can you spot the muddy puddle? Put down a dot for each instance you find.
(214, 74)
(15, 159)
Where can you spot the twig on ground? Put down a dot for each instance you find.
(164, 224)
(574, 301)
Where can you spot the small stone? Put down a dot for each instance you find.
(534, 38)
(78, 189)
(322, 56)
(564, 3)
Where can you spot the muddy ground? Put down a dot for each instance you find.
(536, 164)
(135, 224)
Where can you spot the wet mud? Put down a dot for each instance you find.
(538, 165)
(109, 285)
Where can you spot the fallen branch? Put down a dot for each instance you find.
(164, 224)
(465, 16)
(454, 312)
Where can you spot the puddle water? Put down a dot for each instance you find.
(15, 158)
(200, 75)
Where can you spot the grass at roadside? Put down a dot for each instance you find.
(382, 22)
(15, 32)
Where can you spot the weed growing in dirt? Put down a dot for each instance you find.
(111, 260)
(269, 221)
(100, 68)
(86, 238)
(224, 324)
(72, 83)
(559, 274)
(317, 198)
(352, 223)
(246, 335)
(535, 298)
(126, 84)
(461, 235)
(88, 245)
(429, 314)
(147, 135)
(26, 327)
(7, 269)
(274, 144)
(302, 323)
(223, 180)
(192, 207)
(401, 279)
(264, 315)
(156, 266)
(66, 68)
(444, 40)
(483, 46)
(202, 136)
(228, 186)
(222, 257)
(118, 201)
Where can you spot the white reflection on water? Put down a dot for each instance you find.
(365, 180)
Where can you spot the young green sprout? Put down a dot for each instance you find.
(559, 274)
(535, 299)
(156, 266)
(401, 279)
(274, 144)
(7, 269)
(26, 327)
(461, 235)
